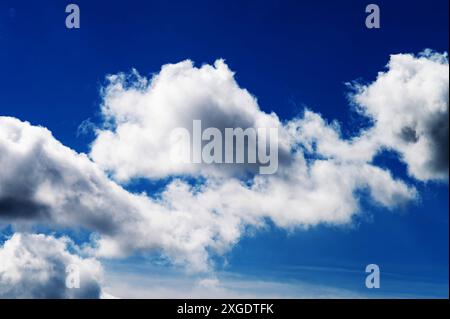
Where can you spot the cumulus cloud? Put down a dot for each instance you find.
(319, 179)
(71, 191)
(185, 222)
(409, 105)
(141, 114)
(34, 266)
(51, 183)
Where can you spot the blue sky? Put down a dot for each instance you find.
(290, 55)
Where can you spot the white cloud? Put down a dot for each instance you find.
(409, 104)
(34, 266)
(142, 113)
(44, 182)
(62, 188)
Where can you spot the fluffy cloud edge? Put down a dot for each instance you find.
(35, 266)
